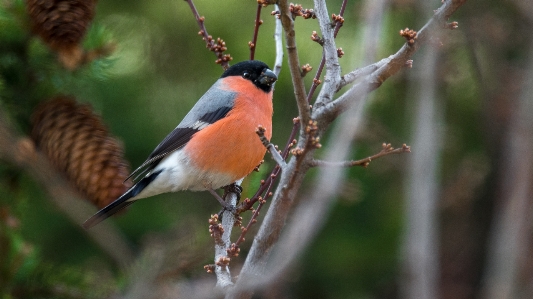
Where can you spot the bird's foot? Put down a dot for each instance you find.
(225, 206)
(233, 188)
(229, 208)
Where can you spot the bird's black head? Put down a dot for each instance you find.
(256, 71)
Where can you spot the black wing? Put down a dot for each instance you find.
(179, 138)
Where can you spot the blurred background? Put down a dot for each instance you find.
(452, 219)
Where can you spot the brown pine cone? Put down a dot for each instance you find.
(62, 25)
(78, 144)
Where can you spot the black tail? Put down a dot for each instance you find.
(121, 202)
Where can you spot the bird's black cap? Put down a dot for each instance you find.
(254, 70)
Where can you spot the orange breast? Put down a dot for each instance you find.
(231, 145)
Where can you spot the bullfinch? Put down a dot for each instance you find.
(214, 145)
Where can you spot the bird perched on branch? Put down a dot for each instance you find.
(214, 145)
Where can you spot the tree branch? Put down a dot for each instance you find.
(270, 147)
(316, 80)
(333, 68)
(255, 266)
(258, 23)
(390, 65)
(223, 242)
(219, 47)
(387, 150)
(279, 46)
(294, 62)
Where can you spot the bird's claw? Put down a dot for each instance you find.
(230, 208)
(233, 188)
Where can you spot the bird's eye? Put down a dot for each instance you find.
(246, 75)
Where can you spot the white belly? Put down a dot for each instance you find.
(178, 174)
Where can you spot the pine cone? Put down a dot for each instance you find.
(62, 24)
(78, 144)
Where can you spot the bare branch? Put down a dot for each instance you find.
(219, 47)
(298, 10)
(316, 80)
(255, 266)
(276, 155)
(392, 64)
(294, 62)
(279, 46)
(387, 150)
(255, 214)
(221, 233)
(360, 72)
(333, 69)
(258, 23)
(268, 183)
(298, 234)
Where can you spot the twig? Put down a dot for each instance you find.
(316, 80)
(390, 65)
(258, 23)
(359, 73)
(298, 10)
(265, 188)
(255, 213)
(333, 70)
(294, 64)
(318, 202)
(270, 147)
(279, 46)
(312, 140)
(215, 229)
(219, 47)
(267, 183)
(387, 150)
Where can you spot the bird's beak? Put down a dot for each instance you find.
(267, 77)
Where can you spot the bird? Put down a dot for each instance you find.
(214, 145)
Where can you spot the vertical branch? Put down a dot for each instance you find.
(316, 79)
(318, 201)
(279, 45)
(333, 70)
(300, 232)
(258, 23)
(222, 270)
(294, 62)
(219, 47)
(260, 269)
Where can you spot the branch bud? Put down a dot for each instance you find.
(409, 35)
